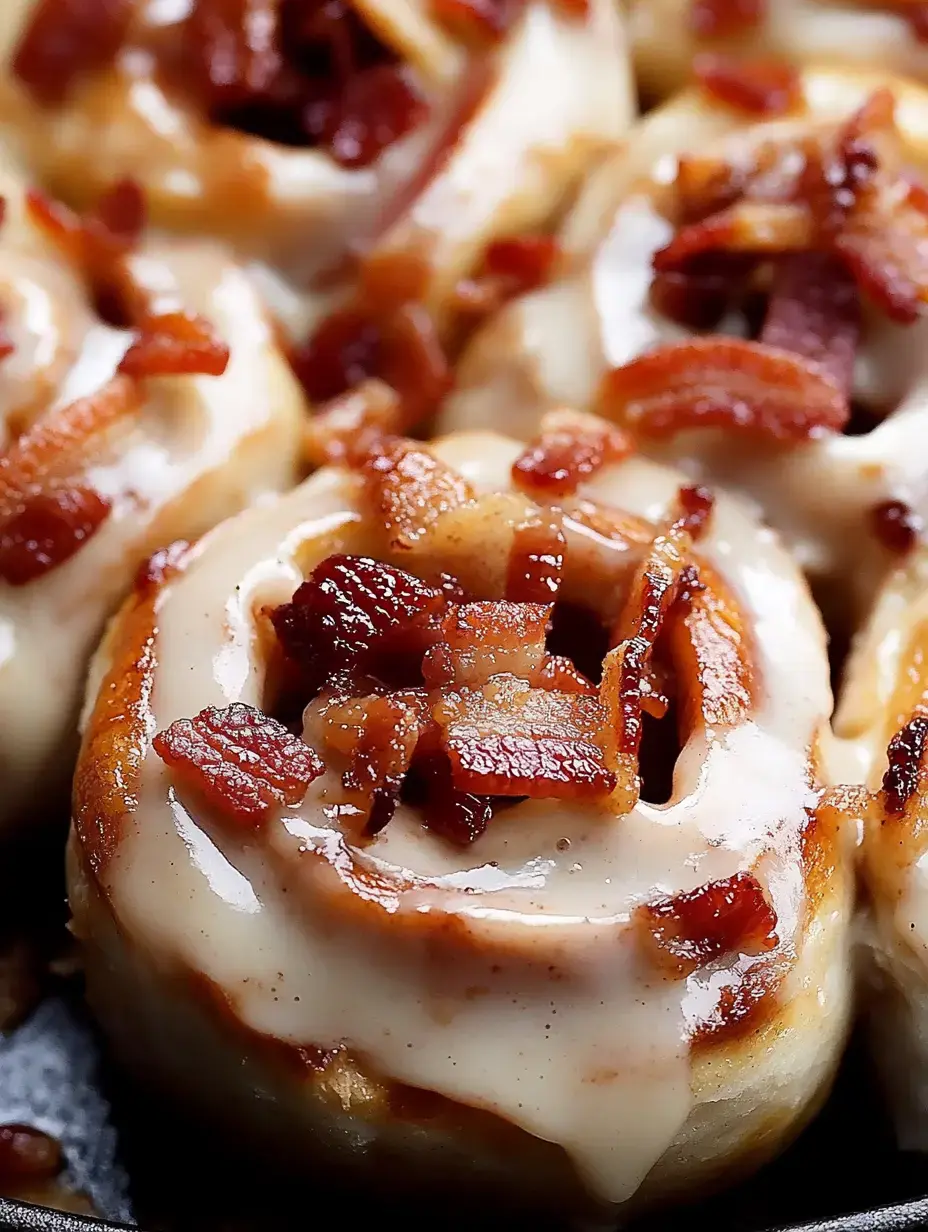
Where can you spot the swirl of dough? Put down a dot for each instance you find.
(877, 34)
(516, 121)
(826, 490)
(452, 904)
(97, 470)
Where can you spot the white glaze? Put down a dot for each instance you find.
(200, 449)
(598, 1063)
(554, 345)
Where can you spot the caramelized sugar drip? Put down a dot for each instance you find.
(796, 233)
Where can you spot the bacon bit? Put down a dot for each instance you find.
(66, 40)
(480, 640)
(242, 762)
(903, 773)
(758, 86)
(536, 561)
(347, 427)
(724, 382)
(508, 739)
(302, 75)
(26, 1152)
(401, 349)
(748, 226)
(896, 526)
(572, 446)
(885, 245)
(175, 344)
(48, 531)
(696, 505)
(511, 267)
(814, 311)
(120, 216)
(688, 931)
(718, 19)
(410, 489)
(699, 296)
(458, 816)
(352, 610)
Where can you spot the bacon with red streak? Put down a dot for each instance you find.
(175, 344)
(570, 449)
(67, 40)
(755, 85)
(410, 489)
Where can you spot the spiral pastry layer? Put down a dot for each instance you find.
(390, 748)
(114, 438)
(746, 302)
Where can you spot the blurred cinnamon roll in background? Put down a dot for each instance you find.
(744, 289)
(142, 398)
(486, 785)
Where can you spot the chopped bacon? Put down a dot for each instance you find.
(49, 529)
(120, 215)
(347, 427)
(66, 40)
(458, 816)
(536, 561)
(716, 19)
(905, 757)
(760, 87)
(896, 525)
(508, 739)
(352, 610)
(400, 348)
(884, 242)
(175, 344)
(687, 931)
(480, 640)
(696, 505)
(814, 311)
(748, 226)
(410, 489)
(511, 267)
(700, 295)
(242, 762)
(570, 449)
(304, 74)
(724, 382)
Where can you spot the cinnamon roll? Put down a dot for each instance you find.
(485, 785)
(142, 398)
(881, 34)
(746, 296)
(300, 131)
(883, 723)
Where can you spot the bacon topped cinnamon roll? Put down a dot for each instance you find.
(668, 34)
(747, 295)
(300, 129)
(142, 398)
(486, 788)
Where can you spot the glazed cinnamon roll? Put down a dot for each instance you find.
(883, 722)
(485, 785)
(747, 294)
(881, 34)
(300, 131)
(142, 398)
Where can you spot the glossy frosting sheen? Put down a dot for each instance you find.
(507, 976)
(200, 448)
(817, 495)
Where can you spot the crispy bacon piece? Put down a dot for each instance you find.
(814, 311)
(458, 816)
(352, 610)
(696, 506)
(884, 242)
(49, 529)
(748, 226)
(905, 756)
(410, 489)
(570, 449)
(896, 525)
(724, 382)
(717, 19)
(66, 40)
(508, 739)
(480, 640)
(536, 561)
(304, 74)
(690, 930)
(348, 427)
(242, 762)
(758, 86)
(175, 344)
(400, 348)
(511, 267)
